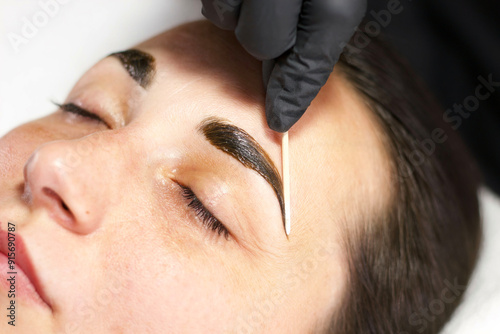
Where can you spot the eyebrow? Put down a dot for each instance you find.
(140, 65)
(240, 145)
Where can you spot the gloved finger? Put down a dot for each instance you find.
(223, 13)
(267, 28)
(324, 28)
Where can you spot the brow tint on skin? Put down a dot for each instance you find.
(140, 65)
(240, 145)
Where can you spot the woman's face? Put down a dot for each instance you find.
(138, 221)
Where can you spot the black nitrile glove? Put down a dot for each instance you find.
(299, 41)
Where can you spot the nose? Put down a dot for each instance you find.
(55, 183)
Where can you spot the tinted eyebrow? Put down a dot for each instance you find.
(139, 64)
(240, 145)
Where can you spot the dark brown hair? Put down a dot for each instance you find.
(408, 269)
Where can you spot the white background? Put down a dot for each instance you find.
(80, 32)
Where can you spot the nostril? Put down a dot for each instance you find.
(64, 206)
(59, 202)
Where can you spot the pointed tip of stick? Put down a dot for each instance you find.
(287, 226)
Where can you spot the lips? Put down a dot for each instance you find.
(27, 283)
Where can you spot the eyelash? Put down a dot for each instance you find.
(206, 217)
(74, 109)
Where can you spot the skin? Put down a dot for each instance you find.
(136, 258)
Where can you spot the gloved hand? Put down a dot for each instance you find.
(299, 41)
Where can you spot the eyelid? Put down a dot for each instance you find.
(209, 220)
(75, 109)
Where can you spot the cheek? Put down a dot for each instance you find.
(158, 284)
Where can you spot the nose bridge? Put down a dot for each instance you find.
(77, 153)
(71, 179)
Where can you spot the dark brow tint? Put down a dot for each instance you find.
(140, 65)
(240, 145)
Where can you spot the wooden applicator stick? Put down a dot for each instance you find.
(286, 180)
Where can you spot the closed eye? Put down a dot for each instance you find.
(74, 109)
(208, 220)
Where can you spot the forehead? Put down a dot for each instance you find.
(203, 70)
(202, 50)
